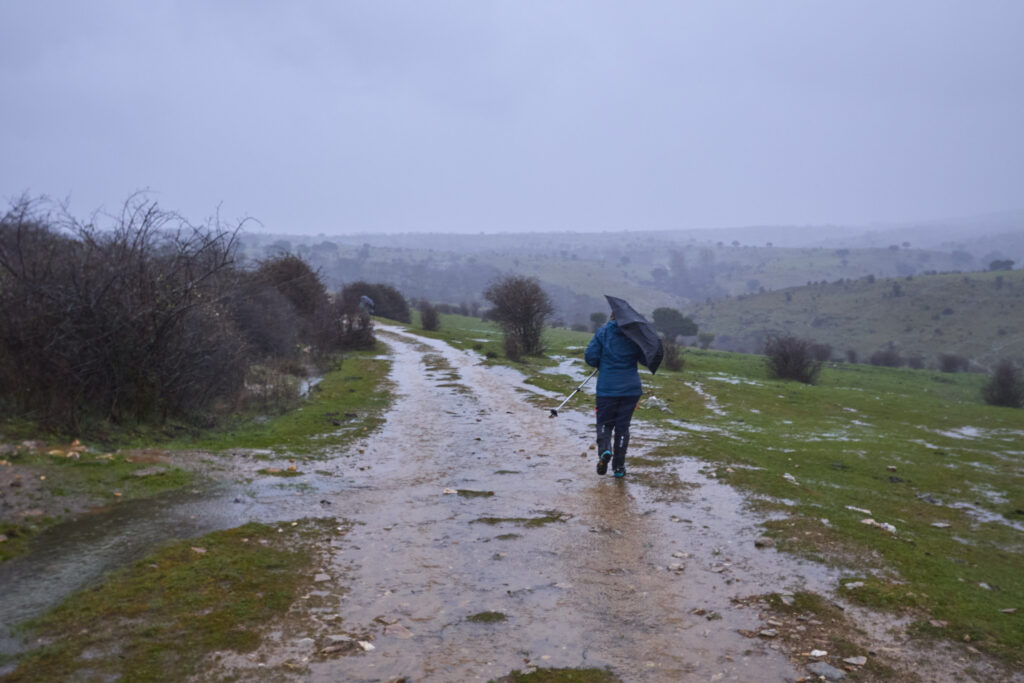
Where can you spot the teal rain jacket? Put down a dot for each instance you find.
(617, 356)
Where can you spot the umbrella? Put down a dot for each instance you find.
(641, 332)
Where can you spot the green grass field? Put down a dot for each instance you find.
(977, 315)
(915, 449)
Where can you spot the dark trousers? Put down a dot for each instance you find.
(614, 414)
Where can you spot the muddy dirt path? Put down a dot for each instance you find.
(588, 571)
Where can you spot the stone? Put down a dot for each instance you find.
(1008, 610)
(827, 670)
(322, 577)
(764, 542)
(818, 654)
(856, 661)
(768, 633)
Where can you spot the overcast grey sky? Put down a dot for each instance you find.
(504, 116)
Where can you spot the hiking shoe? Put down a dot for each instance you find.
(620, 473)
(602, 462)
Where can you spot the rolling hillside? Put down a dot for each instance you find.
(977, 315)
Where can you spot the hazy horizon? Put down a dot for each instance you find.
(458, 117)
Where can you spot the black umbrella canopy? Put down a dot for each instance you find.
(636, 328)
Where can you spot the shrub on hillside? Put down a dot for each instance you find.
(889, 358)
(521, 308)
(673, 359)
(789, 357)
(1005, 387)
(851, 355)
(429, 317)
(951, 362)
(821, 352)
(705, 339)
(673, 323)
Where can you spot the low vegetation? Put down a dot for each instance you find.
(915, 449)
(158, 618)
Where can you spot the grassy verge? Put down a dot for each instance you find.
(55, 479)
(346, 403)
(157, 619)
(914, 449)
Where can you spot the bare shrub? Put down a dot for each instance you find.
(851, 355)
(951, 362)
(673, 359)
(429, 317)
(821, 352)
(1005, 387)
(521, 308)
(789, 357)
(889, 358)
(127, 323)
(915, 362)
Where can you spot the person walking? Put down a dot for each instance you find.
(618, 390)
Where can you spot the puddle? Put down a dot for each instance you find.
(574, 368)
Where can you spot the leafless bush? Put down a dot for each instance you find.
(429, 317)
(520, 307)
(821, 352)
(1005, 387)
(951, 362)
(851, 355)
(128, 323)
(788, 357)
(673, 360)
(889, 358)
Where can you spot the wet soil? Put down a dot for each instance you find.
(585, 571)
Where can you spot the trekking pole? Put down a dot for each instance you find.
(554, 411)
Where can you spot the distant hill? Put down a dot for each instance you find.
(651, 269)
(977, 315)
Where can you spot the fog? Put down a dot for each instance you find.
(367, 117)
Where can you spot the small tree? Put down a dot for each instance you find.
(597, 319)
(429, 317)
(1006, 386)
(705, 339)
(851, 355)
(672, 323)
(788, 357)
(521, 308)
